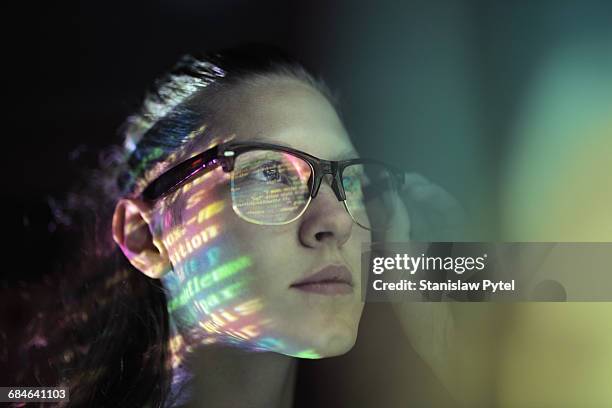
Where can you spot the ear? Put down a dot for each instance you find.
(132, 232)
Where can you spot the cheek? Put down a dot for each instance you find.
(223, 278)
(353, 250)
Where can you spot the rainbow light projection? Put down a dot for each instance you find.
(209, 299)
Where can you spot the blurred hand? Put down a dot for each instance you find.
(435, 215)
(427, 213)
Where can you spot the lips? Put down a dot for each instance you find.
(331, 280)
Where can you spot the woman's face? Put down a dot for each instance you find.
(233, 281)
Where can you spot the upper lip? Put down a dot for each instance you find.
(328, 274)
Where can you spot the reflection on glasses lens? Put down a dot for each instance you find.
(370, 194)
(270, 187)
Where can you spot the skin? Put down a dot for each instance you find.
(217, 324)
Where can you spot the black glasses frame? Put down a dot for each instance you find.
(224, 155)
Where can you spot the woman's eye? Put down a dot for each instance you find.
(269, 172)
(354, 182)
(349, 183)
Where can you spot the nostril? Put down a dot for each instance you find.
(320, 236)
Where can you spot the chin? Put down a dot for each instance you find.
(331, 340)
(337, 346)
(316, 331)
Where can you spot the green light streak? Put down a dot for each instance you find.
(310, 354)
(198, 283)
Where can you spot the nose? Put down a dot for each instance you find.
(326, 221)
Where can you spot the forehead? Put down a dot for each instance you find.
(284, 111)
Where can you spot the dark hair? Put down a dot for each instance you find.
(118, 354)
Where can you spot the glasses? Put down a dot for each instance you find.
(273, 185)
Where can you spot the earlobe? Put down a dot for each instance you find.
(132, 232)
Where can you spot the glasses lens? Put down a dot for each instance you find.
(270, 187)
(370, 194)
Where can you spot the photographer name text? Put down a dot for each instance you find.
(448, 286)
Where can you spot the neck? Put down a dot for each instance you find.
(229, 376)
(226, 376)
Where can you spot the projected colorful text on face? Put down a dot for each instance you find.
(211, 296)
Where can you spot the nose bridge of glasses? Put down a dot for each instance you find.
(329, 170)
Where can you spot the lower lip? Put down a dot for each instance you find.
(326, 288)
